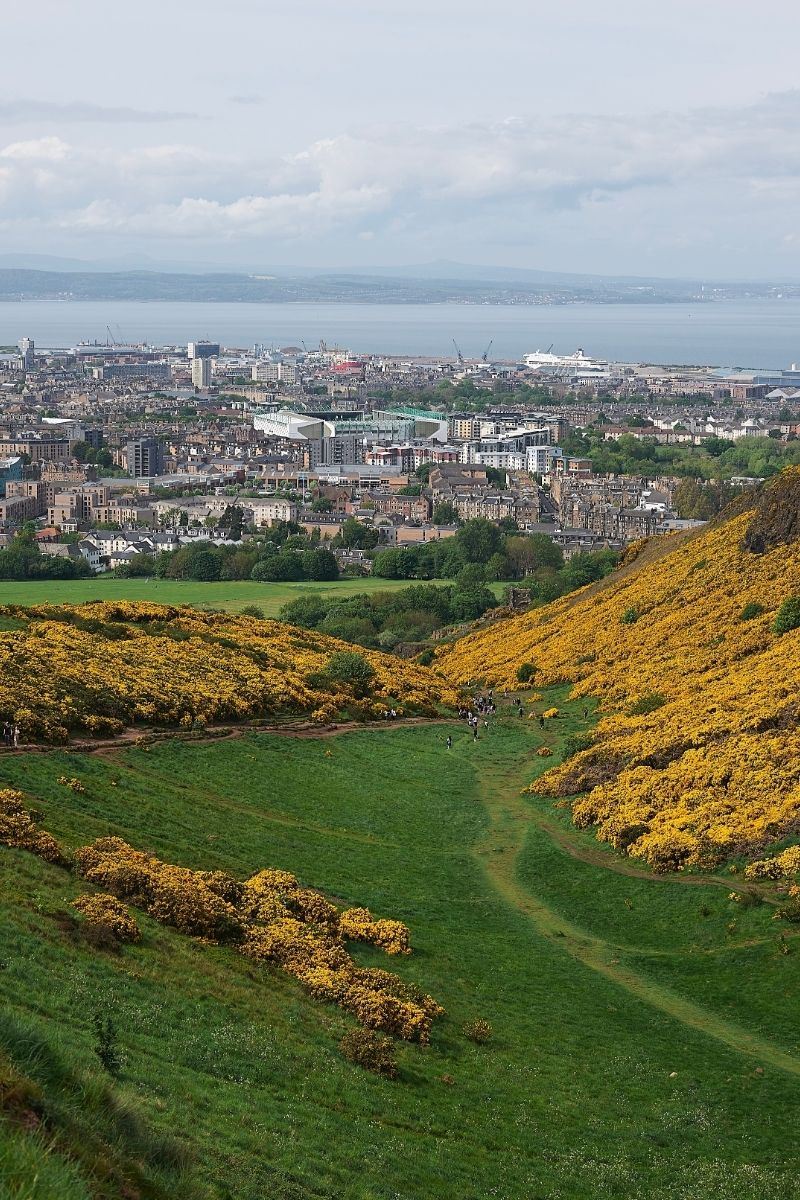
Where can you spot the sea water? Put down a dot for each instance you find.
(734, 333)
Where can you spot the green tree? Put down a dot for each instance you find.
(469, 603)
(232, 520)
(204, 566)
(478, 540)
(393, 564)
(445, 513)
(286, 567)
(787, 617)
(320, 565)
(306, 611)
(528, 553)
(141, 566)
(351, 668)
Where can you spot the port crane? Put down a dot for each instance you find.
(459, 355)
(485, 355)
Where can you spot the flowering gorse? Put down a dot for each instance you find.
(19, 830)
(100, 909)
(713, 770)
(271, 917)
(98, 667)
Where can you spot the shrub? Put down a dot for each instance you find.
(787, 616)
(751, 897)
(105, 1045)
(173, 895)
(73, 784)
(106, 912)
(647, 704)
(478, 1031)
(790, 910)
(18, 830)
(630, 616)
(751, 610)
(358, 925)
(425, 658)
(351, 668)
(252, 610)
(370, 1051)
(525, 672)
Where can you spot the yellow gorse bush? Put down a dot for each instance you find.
(783, 866)
(18, 829)
(99, 667)
(101, 909)
(714, 771)
(176, 896)
(272, 918)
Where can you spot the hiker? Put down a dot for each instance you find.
(541, 721)
(6, 734)
(15, 735)
(449, 742)
(586, 714)
(475, 732)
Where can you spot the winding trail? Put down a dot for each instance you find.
(510, 817)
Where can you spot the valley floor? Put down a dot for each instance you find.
(645, 1038)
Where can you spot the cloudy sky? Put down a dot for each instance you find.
(626, 137)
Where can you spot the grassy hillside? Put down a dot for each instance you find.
(627, 1058)
(99, 667)
(697, 757)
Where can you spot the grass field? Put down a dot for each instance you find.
(229, 596)
(643, 1047)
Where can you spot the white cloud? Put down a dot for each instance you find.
(487, 178)
(48, 149)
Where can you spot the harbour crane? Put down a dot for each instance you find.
(485, 355)
(459, 355)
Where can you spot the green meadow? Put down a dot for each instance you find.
(229, 596)
(644, 1035)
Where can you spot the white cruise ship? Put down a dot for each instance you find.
(568, 366)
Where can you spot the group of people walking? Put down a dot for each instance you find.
(481, 707)
(11, 734)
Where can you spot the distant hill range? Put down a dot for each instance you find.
(39, 277)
